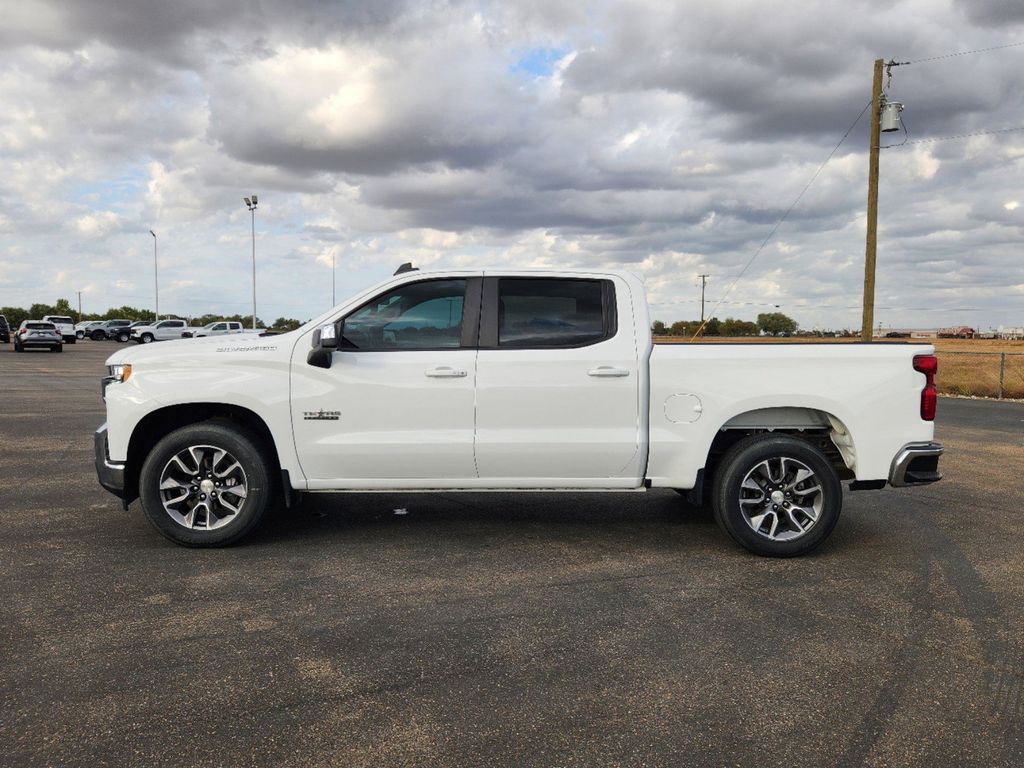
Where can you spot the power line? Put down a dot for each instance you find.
(788, 211)
(962, 53)
(956, 136)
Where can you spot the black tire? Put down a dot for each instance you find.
(79, 334)
(247, 451)
(17, 347)
(98, 335)
(123, 337)
(58, 348)
(746, 457)
(147, 338)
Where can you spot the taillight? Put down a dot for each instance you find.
(928, 365)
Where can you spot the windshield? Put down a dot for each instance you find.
(61, 320)
(40, 326)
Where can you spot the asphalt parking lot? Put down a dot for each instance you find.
(518, 630)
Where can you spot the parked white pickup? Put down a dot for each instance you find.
(165, 330)
(219, 328)
(512, 380)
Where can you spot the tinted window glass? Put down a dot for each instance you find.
(62, 320)
(549, 313)
(425, 315)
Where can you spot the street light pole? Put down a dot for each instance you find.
(334, 301)
(156, 279)
(251, 204)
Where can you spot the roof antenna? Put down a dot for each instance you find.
(407, 267)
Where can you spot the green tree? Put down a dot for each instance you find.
(733, 327)
(776, 324)
(290, 324)
(684, 327)
(712, 328)
(658, 328)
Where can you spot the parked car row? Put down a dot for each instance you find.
(139, 331)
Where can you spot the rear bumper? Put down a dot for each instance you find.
(916, 464)
(110, 474)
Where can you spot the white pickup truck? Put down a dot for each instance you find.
(511, 380)
(164, 330)
(218, 328)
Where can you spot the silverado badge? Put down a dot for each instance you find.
(321, 415)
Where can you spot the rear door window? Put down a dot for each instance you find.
(553, 312)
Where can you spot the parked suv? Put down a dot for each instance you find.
(35, 334)
(111, 329)
(5, 330)
(165, 330)
(65, 326)
(82, 329)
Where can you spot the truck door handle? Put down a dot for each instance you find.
(607, 371)
(445, 372)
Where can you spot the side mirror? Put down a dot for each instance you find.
(325, 341)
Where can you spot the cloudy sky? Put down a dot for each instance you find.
(664, 138)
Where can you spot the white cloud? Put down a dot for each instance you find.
(665, 139)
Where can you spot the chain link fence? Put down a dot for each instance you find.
(982, 374)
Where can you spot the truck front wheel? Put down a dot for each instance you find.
(206, 485)
(776, 495)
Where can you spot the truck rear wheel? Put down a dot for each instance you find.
(776, 495)
(206, 485)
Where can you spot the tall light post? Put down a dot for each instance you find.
(251, 205)
(334, 301)
(156, 279)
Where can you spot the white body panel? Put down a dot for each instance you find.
(871, 389)
(571, 415)
(395, 420)
(528, 418)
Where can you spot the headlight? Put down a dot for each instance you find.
(120, 372)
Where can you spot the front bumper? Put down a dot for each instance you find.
(916, 464)
(110, 474)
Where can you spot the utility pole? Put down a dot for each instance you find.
(868, 319)
(251, 204)
(703, 283)
(334, 301)
(79, 305)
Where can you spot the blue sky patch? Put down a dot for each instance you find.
(536, 62)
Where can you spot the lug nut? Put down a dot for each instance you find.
(202, 497)
(775, 507)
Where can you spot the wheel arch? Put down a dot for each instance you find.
(155, 425)
(819, 427)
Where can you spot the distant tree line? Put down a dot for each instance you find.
(15, 315)
(768, 323)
